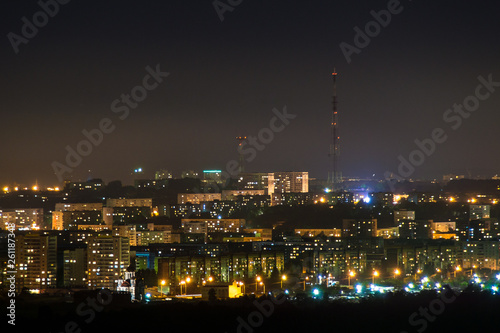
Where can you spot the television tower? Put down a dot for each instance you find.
(241, 167)
(336, 176)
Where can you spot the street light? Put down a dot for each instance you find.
(396, 273)
(457, 269)
(210, 279)
(418, 272)
(349, 276)
(283, 278)
(375, 274)
(263, 286)
(181, 284)
(242, 285)
(163, 282)
(257, 280)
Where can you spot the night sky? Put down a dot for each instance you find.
(226, 78)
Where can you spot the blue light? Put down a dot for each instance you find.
(315, 292)
(148, 295)
(367, 199)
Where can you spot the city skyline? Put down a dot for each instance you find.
(225, 78)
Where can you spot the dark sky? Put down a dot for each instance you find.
(226, 78)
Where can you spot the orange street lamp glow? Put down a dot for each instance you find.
(349, 276)
(283, 278)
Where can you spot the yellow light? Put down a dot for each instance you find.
(259, 279)
(397, 271)
(375, 273)
(16, 188)
(452, 199)
(188, 279)
(163, 282)
(458, 268)
(351, 273)
(35, 188)
(322, 200)
(6, 189)
(183, 282)
(210, 279)
(283, 277)
(261, 283)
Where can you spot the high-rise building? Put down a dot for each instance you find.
(362, 228)
(36, 261)
(214, 225)
(190, 174)
(129, 231)
(212, 176)
(24, 219)
(253, 181)
(91, 185)
(108, 259)
(479, 212)
(288, 182)
(71, 215)
(125, 210)
(400, 215)
(409, 229)
(197, 198)
(163, 174)
(75, 267)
